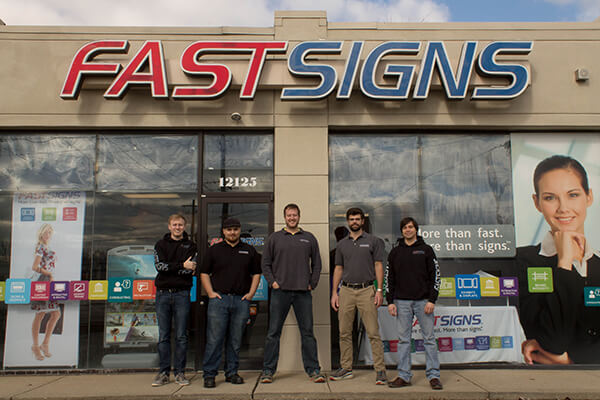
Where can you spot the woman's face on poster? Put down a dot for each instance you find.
(46, 236)
(562, 200)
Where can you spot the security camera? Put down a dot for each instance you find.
(236, 116)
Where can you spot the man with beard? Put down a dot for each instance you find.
(230, 274)
(358, 261)
(291, 265)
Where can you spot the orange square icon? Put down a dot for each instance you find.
(143, 289)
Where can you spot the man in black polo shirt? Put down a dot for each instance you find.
(230, 274)
(358, 261)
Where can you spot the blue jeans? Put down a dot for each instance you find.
(172, 307)
(281, 301)
(227, 318)
(406, 310)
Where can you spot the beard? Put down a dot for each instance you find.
(355, 228)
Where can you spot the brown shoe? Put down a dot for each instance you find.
(398, 382)
(436, 384)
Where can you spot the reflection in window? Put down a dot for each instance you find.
(44, 162)
(234, 162)
(438, 179)
(147, 163)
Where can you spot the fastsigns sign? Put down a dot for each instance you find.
(147, 67)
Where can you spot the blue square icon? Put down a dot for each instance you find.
(27, 214)
(507, 342)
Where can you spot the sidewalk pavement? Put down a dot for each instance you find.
(458, 384)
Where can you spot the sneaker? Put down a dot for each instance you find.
(341, 373)
(317, 377)
(161, 379)
(266, 377)
(381, 378)
(181, 379)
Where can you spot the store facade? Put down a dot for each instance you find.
(105, 132)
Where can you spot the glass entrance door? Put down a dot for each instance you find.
(255, 214)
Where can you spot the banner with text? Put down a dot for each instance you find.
(470, 241)
(46, 247)
(464, 335)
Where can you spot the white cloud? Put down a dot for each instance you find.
(209, 13)
(587, 10)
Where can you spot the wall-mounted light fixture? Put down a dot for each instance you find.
(582, 74)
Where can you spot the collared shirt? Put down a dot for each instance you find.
(548, 249)
(358, 257)
(292, 260)
(231, 267)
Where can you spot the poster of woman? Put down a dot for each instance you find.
(558, 257)
(46, 246)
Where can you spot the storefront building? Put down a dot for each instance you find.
(105, 132)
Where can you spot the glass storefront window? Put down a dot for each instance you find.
(125, 231)
(237, 163)
(147, 163)
(441, 180)
(451, 184)
(47, 162)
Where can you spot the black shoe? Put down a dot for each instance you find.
(235, 379)
(209, 382)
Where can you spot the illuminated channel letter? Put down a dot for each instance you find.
(436, 55)
(150, 54)
(350, 71)
(297, 66)
(517, 74)
(404, 72)
(82, 66)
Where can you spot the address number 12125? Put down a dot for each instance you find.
(237, 181)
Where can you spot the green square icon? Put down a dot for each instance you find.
(447, 288)
(539, 280)
(49, 214)
(495, 342)
(2, 288)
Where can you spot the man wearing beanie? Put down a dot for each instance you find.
(230, 274)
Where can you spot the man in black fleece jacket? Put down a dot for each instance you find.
(173, 256)
(413, 286)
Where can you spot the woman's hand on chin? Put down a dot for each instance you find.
(570, 246)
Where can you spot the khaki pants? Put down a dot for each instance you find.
(364, 300)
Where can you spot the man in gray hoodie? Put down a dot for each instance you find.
(291, 264)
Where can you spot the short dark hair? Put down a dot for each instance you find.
(292, 206)
(355, 211)
(560, 162)
(406, 220)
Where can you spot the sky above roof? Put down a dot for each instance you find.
(260, 12)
